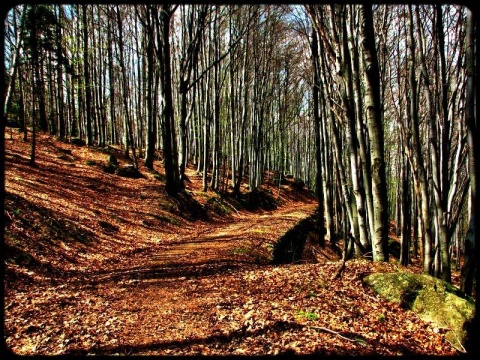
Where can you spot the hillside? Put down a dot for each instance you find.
(98, 263)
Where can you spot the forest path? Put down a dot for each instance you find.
(169, 296)
(214, 246)
(224, 242)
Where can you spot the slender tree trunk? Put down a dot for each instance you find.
(86, 74)
(16, 58)
(375, 130)
(111, 78)
(422, 172)
(471, 238)
(150, 95)
(170, 153)
(243, 126)
(405, 229)
(125, 94)
(216, 108)
(318, 145)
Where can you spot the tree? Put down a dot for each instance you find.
(193, 24)
(471, 247)
(318, 125)
(170, 154)
(379, 220)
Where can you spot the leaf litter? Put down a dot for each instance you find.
(175, 286)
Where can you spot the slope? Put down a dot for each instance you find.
(97, 263)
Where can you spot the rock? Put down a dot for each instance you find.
(298, 183)
(109, 168)
(128, 171)
(77, 141)
(432, 299)
(112, 160)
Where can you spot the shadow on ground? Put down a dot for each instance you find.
(300, 244)
(235, 339)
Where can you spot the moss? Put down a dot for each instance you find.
(432, 299)
(398, 287)
(217, 205)
(159, 177)
(240, 251)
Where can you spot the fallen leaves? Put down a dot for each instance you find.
(115, 285)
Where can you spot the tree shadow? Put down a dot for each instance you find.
(229, 342)
(296, 244)
(51, 233)
(142, 275)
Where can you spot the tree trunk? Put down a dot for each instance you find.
(318, 145)
(86, 74)
(471, 238)
(170, 154)
(150, 95)
(375, 130)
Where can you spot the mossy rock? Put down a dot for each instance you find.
(432, 299)
(109, 168)
(218, 206)
(112, 160)
(298, 183)
(77, 141)
(159, 176)
(129, 171)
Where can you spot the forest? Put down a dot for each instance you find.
(365, 115)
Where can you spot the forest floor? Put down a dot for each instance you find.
(96, 263)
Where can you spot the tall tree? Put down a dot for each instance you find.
(375, 131)
(318, 125)
(163, 22)
(471, 240)
(86, 74)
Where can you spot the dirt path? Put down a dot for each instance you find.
(168, 298)
(215, 243)
(156, 298)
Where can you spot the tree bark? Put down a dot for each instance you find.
(375, 130)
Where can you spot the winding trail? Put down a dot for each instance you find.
(164, 297)
(214, 245)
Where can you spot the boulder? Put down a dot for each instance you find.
(432, 299)
(77, 141)
(128, 171)
(298, 183)
(112, 160)
(109, 168)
